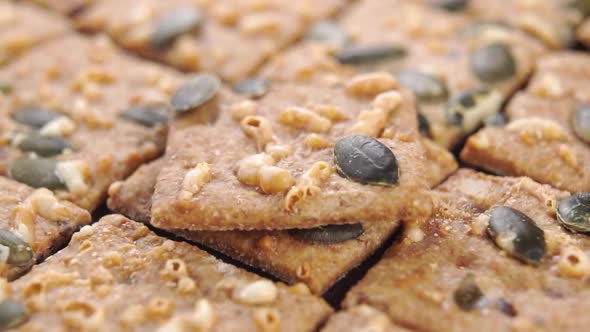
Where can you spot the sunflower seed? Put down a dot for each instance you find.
(12, 314)
(328, 32)
(469, 109)
(493, 63)
(195, 92)
(36, 172)
(20, 253)
(45, 146)
(516, 234)
(147, 115)
(329, 234)
(173, 24)
(366, 160)
(581, 122)
(255, 87)
(34, 116)
(362, 55)
(573, 212)
(427, 88)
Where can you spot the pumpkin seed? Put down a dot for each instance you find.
(581, 122)
(469, 109)
(328, 32)
(255, 87)
(423, 124)
(34, 116)
(45, 146)
(37, 173)
(329, 234)
(451, 5)
(515, 233)
(20, 253)
(493, 63)
(366, 160)
(427, 88)
(6, 87)
(496, 120)
(573, 212)
(195, 92)
(147, 115)
(173, 24)
(12, 314)
(468, 296)
(361, 55)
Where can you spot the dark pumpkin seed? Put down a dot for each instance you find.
(37, 173)
(147, 115)
(493, 63)
(423, 124)
(35, 116)
(496, 120)
(195, 92)
(328, 32)
(573, 212)
(427, 88)
(581, 122)
(255, 87)
(329, 234)
(515, 233)
(469, 109)
(468, 296)
(20, 253)
(366, 160)
(45, 146)
(5, 87)
(362, 55)
(173, 24)
(12, 314)
(451, 5)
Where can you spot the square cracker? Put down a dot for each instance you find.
(90, 89)
(117, 274)
(223, 202)
(40, 221)
(279, 253)
(426, 274)
(234, 38)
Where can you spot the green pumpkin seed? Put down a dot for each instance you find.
(20, 253)
(6, 87)
(366, 160)
(329, 234)
(493, 63)
(427, 88)
(573, 212)
(328, 32)
(195, 92)
(451, 5)
(45, 146)
(12, 314)
(147, 115)
(516, 234)
(496, 120)
(255, 87)
(469, 109)
(35, 116)
(468, 296)
(581, 122)
(37, 173)
(173, 24)
(363, 55)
